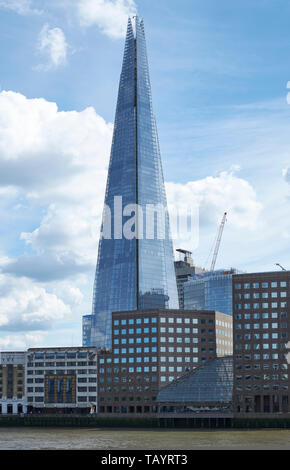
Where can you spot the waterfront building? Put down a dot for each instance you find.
(61, 380)
(210, 290)
(152, 348)
(207, 389)
(12, 382)
(184, 270)
(135, 266)
(261, 334)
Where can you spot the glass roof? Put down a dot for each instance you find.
(212, 382)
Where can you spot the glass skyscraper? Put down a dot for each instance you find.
(135, 267)
(211, 290)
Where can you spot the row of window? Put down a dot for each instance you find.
(179, 330)
(147, 379)
(223, 324)
(264, 377)
(259, 305)
(223, 352)
(132, 321)
(18, 367)
(60, 355)
(178, 339)
(258, 357)
(139, 321)
(258, 326)
(80, 379)
(136, 359)
(223, 342)
(257, 336)
(262, 295)
(263, 285)
(194, 350)
(116, 360)
(62, 364)
(141, 360)
(187, 321)
(19, 389)
(265, 366)
(226, 333)
(18, 396)
(130, 389)
(132, 331)
(257, 346)
(249, 388)
(79, 389)
(257, 316)
(86, 399)
(117, 399)
(137, 340)
(73, 371)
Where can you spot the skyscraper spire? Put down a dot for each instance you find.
(135, 267)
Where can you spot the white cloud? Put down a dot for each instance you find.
(110, 16)
(52, 43)
(24, 305)
(34, 133)
(68, 293)
(22, 341)
(57, 160)
(22, 7)
(216, 195)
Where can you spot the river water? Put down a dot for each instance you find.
(141, 439)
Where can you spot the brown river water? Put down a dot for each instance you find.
(141, 439)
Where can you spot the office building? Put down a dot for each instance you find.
(152, 348)
(261, 334)
(61, 380)
(135, 266)
(211, 290)
(184, 270)
(12, 382)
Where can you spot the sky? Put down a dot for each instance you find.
(220, 76)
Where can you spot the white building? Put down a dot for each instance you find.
(62, 380)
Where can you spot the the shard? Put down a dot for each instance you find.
(135, 266)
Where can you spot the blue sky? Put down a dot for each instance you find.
(219, 74)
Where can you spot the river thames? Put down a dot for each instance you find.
(140, 439)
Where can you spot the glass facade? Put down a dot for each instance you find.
(134, 271)
(210, 291)
(211, 383)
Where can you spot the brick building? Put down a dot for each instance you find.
(12, 382)
(151, 349)
(261, 334)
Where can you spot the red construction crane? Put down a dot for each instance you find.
(218, 241)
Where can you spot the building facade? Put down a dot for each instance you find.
(261, 333)
(12, 382)
(184, 270)
(211, 290)
(61, 380)
(152, 348)
(135, 266)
